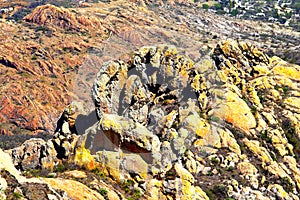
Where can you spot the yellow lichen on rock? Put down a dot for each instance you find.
(110, 122)
(261, 152)
(276, 169)
(185, 183)
(228, 140)
(84, 158)
(74, 189)
(110, 162)
(199, 143)
(201, 195)
(262, 69)
(293, 103)
(288, 70)
(204, 65)
(198, 125)
(247, 168)
(278, 189)
(75, 174)
(155, 191)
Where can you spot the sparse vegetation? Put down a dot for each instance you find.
(214, 161)
(205, 6)
(18, 195)
(219, 191)
(103, 192)
(98, 172)
(33, 173)
(33, 57)
(214, 119)
(263, 135)
(59, 168)
(290, 133)
(127, 185)
(286, 184)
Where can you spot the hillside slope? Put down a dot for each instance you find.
(52, 55)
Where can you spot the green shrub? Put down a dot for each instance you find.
(205, 6)
(291, 135)
(98, 172)
(214, 161)
(17, 195)
(218, 6)
(59, 168)
(103, 191)
(264, 136)
(286, 184)
(33, 57)
(214, 119)
(127, 185)
(136, 194)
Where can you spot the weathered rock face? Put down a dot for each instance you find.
(150, 92)
(234, 113)
(34, 154)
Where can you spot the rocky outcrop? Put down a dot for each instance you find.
(169, 123)
(62, 18)
(232, 114)
(166, 127)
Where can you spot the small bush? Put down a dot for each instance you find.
(33, 57)
(98, 172)
(214, 119)
(286, 184)
(205, 6)
(136, 194)
(291, 135)
(103, 191)
(59, 168)
(214, 161)
(264, 136)
(127, 185)
(18, 195)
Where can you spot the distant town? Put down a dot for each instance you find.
(281, 11)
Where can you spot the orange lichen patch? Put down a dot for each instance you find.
(75, 190)
(235, 111)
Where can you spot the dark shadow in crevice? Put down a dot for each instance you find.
(83, 122)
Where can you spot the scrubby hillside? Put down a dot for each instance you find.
(51, 56)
